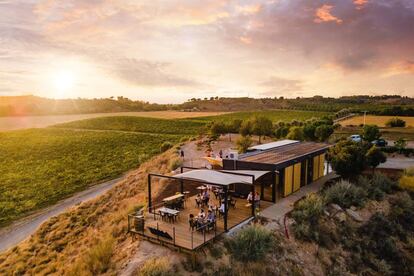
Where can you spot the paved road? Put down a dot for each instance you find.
(398, 163)
(23, 228)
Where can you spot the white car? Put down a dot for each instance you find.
(355, 138)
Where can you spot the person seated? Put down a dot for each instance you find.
(191, 221)
(222, 208)
(201, 214)
(250, 198)
(206, 197)
(211, 217)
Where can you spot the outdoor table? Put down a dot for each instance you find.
(169, 211)
(201, 187)
(174, 197)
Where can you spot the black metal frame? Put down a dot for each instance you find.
(225, 188)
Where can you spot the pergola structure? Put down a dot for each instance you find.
(222, 178)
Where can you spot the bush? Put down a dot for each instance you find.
(395, 122)
(98, 259)
(251, 243)
(345, 194)
(306, 214)
(373, 192)
(175, 164)
(155, 267)
(295, 133)
(166, 146)
(243, 143)
(382, 182)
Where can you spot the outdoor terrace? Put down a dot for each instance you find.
(180, 231)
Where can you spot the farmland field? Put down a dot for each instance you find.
(137, 124)
(274, 115)
(39, 167)
(375, 120)
(23, 122)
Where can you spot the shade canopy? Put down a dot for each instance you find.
(221, 177)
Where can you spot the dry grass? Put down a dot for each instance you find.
(89, 238)
(375, 120)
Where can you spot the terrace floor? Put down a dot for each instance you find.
(188, 239)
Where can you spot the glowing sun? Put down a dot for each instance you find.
(64, 81)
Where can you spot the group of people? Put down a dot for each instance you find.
(203, 219)
(253, 199)
(203, 198)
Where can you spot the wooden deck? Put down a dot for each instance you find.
(186, 238)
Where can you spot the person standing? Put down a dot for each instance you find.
(182, 153)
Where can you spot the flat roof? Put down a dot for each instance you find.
(285, 153)
(272, 145)
(221, 178)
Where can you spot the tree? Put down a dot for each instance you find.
(217, 129)
(246, 128)
(348, 158)
(262, 126)
(400, 144)
(323, 132)
(395, 122)
(295, 133)
(371, 133)
(309, 132)
(243, 143)
(374, 157)
(234, 127)
(281, 132)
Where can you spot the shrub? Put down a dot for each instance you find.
(382, 182)
(243, 143)
(345, 194)
(175, 163)
(407, 180)
(155, 267)
(373, 192)
(166, 146)
(295, 133)
(395, 122)
(98, 259)
(251, 243)
(306, 214)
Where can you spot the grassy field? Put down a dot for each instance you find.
(137, 124)
(274, 115)
(40, 167)
(375, 120)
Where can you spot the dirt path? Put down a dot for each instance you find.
(23, 228)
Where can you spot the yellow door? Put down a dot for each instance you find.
(321, 164)
(315, 168)
(288, 180)
(296, 177)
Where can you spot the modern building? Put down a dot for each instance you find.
(292, 164)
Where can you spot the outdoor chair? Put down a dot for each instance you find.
(162, 215)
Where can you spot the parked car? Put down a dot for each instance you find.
(355, 138)
(380, 142)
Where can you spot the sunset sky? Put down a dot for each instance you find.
(170, 51)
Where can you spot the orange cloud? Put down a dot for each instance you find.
(360, 3)
(245, 40)
(403, 67)
(249, 9)
(323, 14)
